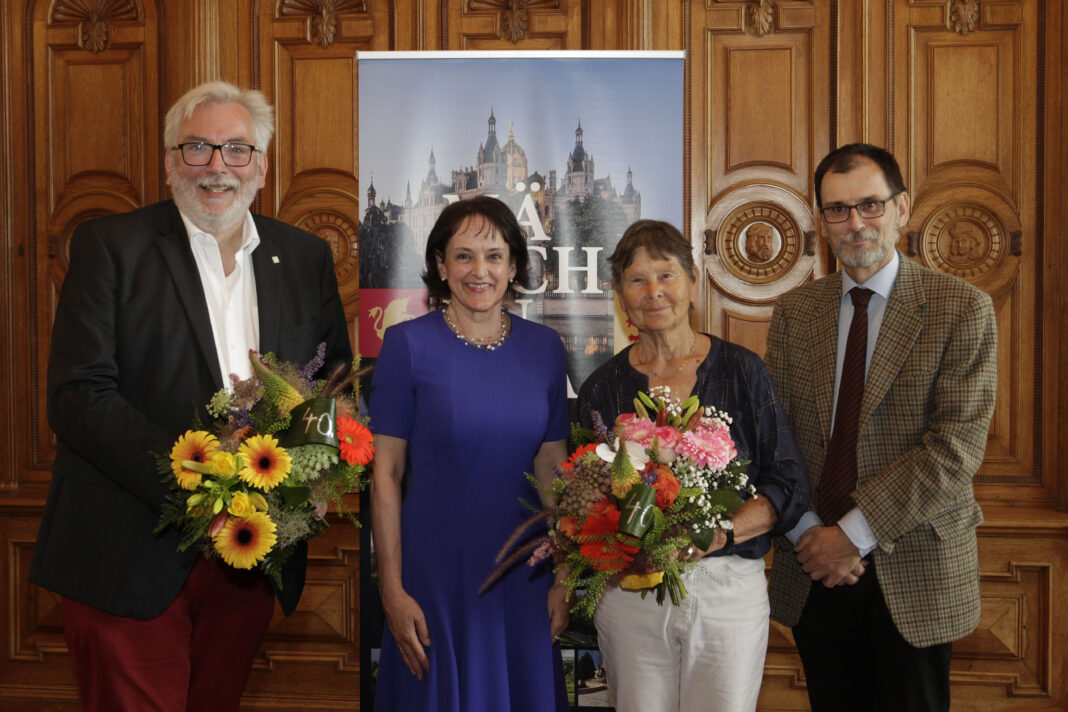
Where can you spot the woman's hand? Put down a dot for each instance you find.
(693, 552)
(405, 618)
(559, 610)
(407, 625)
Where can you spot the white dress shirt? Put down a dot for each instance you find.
(231, 298)
(854, 523)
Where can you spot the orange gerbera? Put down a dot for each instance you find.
(195, 446)
(667, 487)
(243, 543)
(568, 526)
(266, 464)
(357, 442)
(600, 542)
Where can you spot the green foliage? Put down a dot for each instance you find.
(728, 500)
(581, 435)
(274, 562)
(310, 459)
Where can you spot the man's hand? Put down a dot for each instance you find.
(827, 555)
(407, 625)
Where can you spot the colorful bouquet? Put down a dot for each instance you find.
(632, 501)
(282, 447)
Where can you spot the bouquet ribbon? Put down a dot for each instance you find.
(312, 422)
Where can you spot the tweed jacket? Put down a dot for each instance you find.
(133, 358)
(924, 419)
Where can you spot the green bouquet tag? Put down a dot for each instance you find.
(312, 422)
(637, 512)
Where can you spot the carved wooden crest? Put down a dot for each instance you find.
(966, 240)
(339, 232)
(322, 16)
(962, 15)
(758, 242)
(92, 18)
(513, 16)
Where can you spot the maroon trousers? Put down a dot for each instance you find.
(195, 655)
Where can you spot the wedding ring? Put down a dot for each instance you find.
(689, 551)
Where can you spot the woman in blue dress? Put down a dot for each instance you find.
(472, 398)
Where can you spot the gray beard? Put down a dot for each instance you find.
(185, 197)
(861, 260)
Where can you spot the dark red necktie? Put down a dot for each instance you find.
(839, 478)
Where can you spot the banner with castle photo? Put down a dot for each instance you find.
(578, 144)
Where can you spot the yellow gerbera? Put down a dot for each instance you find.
(243, 543)
(194, 446)
(265, 464)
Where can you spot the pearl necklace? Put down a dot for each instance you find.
(685, 359)
(484, 344)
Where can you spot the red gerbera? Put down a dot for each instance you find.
(356, 441)
(600, 542)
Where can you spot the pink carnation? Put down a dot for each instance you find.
(640, 430)
(710, 447)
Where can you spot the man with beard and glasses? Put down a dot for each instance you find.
(159, 309)
(887, 372)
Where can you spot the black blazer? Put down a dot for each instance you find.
(133, 357)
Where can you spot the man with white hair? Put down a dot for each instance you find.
(159, 307)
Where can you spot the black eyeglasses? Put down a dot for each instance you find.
(868, 209)
(198, 153)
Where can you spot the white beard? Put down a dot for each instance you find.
(214, 221)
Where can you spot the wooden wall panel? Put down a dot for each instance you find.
(35, 665)
(96, 147)
(311, 660)
(1015, 659)
(969, 145)
(509, 25)
(308, 72)
(759, 110)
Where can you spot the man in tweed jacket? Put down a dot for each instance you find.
(876, 598)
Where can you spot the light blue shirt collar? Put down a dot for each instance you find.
(882, 282)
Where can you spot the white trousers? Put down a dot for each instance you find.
(704, 655)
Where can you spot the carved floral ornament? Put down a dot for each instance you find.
(513, 19)
(759, 17)
(321, 16)
(962, 15)
(92, 18)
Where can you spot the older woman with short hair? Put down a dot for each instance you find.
(707, 652)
